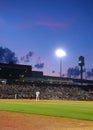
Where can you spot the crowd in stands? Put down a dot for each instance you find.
(47, 91)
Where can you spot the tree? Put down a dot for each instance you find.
(73, 72)
(7, 56)
(90, 73)
(70, 72)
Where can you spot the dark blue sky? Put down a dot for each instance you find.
(42, 26)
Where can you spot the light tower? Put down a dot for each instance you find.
(60, 53)
(81, 63)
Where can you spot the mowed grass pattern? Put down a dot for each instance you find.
(70, 109)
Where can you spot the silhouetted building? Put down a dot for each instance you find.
(14, 71)
(36, 74)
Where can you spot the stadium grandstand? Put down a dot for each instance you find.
(19, 81)
(14, 71)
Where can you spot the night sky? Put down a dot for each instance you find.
(42, 26)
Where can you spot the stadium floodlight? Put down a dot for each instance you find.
(60, 53)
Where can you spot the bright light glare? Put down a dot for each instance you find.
(60, 53)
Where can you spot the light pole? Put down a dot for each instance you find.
(60, 53)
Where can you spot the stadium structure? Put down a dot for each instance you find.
(20, 81)
(19, 72)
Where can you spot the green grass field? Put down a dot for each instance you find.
(70, 109)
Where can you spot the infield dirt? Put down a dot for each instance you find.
(20, 121)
